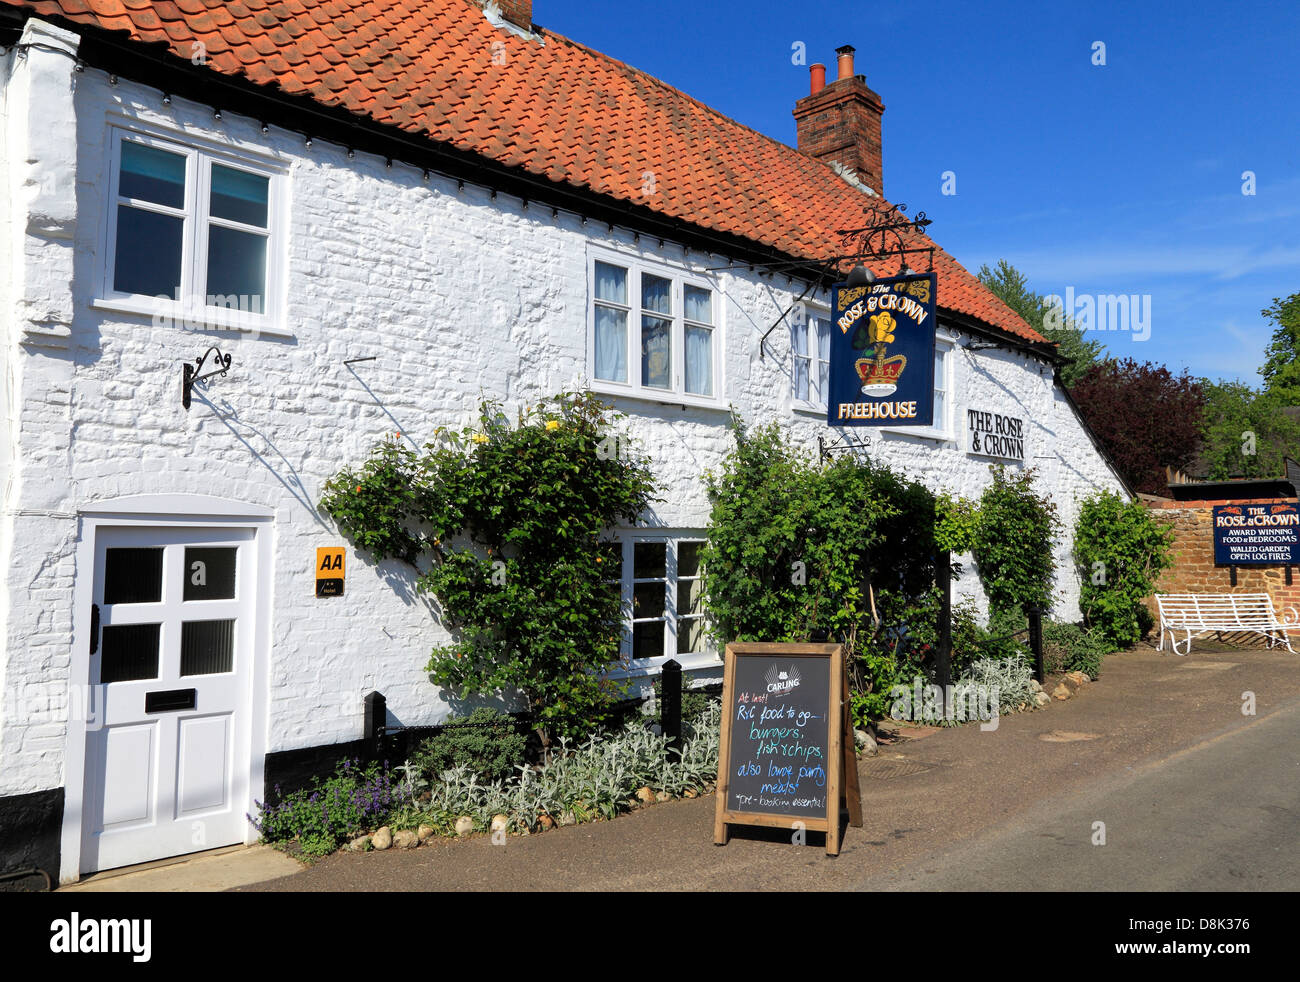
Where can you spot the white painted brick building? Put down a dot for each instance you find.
(456, 289)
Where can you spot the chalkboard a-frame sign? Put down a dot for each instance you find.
(786, 757)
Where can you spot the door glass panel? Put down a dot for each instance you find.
(210, 573)
(130, 652)
(648, 640)
(207, 647)
(132, 576)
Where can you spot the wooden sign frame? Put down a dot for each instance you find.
(842, 787)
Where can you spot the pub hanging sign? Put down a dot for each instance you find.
(882, 353)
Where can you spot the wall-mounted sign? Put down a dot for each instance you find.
(882, 353)
(1256, 535)
(329, 571)
(786, 758)
(994, 435)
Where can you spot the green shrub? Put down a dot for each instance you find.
(487, 743)
(973, 642)
(797, 547)
(1119, 551)
(595, 779)
(1014, 540)
(1071, 648)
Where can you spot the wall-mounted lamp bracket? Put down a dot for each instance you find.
(191, 372)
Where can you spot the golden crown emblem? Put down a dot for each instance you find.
(879, 374)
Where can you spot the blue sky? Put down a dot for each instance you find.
(1123, 178)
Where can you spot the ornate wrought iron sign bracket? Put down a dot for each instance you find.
(845, 444)
(882, 236)
(191, 373)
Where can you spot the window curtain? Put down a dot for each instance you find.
(823, 356)
(611, 344)
(799, 345)
(611, 325)
(699, 361)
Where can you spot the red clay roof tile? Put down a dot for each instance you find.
(555, 108)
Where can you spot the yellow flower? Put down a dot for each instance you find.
(881, 329)
(552, 424)
(480, 438)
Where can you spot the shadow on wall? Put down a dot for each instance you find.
(269, 457)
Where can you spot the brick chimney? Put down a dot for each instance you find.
(840, 122)
(517, 12)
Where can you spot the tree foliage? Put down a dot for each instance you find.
(1281, 370)
(1246, 433)
(1119, 551)
(509, 519)
(1146, 417)
(1012, 288)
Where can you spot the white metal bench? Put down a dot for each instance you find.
(1197, 613)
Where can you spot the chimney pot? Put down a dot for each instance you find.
(840, 122)
(845, 54)
(818, 78)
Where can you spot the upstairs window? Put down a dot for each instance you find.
(190, 234)
(654, 331)
(810, 342)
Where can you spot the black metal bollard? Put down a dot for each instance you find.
(670, 707)
(1036, 641)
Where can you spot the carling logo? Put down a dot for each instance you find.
(102, 935)
(781, 682)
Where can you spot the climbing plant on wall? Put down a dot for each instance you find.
(1012, 542)
(1120, 552)
(506, 521)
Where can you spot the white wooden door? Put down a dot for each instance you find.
(167, 760)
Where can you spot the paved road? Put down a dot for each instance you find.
(1223, 815)
(1193, 794)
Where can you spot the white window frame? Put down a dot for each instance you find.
(940, 429)
(672, 539)
(680, 277)
(805, 313)
(199, 158)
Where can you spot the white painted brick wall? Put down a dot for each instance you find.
(457, 296)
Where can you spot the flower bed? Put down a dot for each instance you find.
(596, 779)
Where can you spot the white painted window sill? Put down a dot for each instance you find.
(920, 432)
(660, 398)
(809, 408)
(218, 319)
(645, 668)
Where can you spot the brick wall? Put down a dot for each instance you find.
(841, 123)
(1193, 552)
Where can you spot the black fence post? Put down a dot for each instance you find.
(376, 716)
(670, 704)
(1036, 641)
(943, 656)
